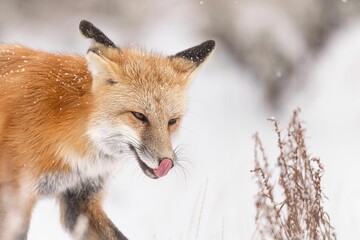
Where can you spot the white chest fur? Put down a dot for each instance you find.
(94, 168)
(110, 146)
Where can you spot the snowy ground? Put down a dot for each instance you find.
(215, 199)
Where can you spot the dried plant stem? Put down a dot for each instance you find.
(300, 215)
(201, 210)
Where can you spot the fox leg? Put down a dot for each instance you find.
(83, 216)
(15, 214)
(16, 198)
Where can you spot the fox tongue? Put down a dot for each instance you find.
(164, 167)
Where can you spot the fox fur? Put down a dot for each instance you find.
(67, 121)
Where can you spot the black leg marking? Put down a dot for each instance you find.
(75, 200)
(81, 200)
(22, 235)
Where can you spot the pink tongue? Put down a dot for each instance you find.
(164, 167)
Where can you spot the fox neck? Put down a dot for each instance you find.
(73, 108)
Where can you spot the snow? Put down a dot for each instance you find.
(332, 114)
(226, 107)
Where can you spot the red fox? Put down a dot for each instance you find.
(66, 122)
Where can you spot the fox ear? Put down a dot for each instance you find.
(90, 31)
(100, 69)
(197, 54)
(98, 64)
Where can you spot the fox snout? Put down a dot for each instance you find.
(158, 168)
(150, 161)
(164, 167)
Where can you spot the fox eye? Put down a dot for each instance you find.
(140, 116)
(172, 121)
(111, 81)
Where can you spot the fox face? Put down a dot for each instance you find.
(139, 100)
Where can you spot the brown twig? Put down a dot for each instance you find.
(300, 214)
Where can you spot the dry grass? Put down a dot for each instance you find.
(300, 214)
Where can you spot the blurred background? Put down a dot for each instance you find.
(271, 57)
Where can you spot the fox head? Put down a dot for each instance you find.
(139, 99)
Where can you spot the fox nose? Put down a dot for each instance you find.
(164, 167)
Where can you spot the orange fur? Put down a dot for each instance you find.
(44, 101)
(57, 114)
